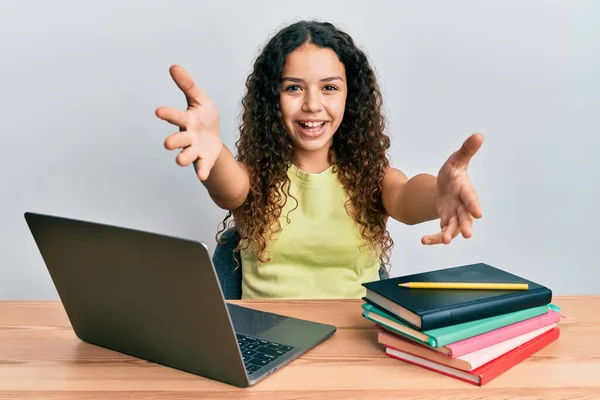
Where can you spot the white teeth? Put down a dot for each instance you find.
(312, 124)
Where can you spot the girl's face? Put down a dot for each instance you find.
(312, 98)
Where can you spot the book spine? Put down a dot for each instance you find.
(478, 310)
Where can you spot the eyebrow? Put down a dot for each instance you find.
(299, 80)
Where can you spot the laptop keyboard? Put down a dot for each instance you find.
(258, 353)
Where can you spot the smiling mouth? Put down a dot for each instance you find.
(312, 125)
(311, 129)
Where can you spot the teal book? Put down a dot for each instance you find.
(440, 337)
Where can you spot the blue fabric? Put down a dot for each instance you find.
(230, 272)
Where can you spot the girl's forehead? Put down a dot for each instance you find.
(310, 61)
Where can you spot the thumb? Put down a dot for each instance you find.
(193, 94)
(203, 168)
(461, 157)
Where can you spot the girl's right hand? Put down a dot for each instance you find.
(199, 132)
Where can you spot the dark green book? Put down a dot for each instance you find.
(426, 309)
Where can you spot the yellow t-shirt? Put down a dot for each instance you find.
(318, 254)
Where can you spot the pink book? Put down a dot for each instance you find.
(466, 362)
(490, 338)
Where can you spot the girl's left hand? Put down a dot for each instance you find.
(457, 202)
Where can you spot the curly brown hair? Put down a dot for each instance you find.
(358, 153)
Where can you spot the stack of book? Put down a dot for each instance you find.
(472, 335)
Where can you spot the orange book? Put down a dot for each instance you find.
(485, 373)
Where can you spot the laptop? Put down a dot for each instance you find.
(158, 298)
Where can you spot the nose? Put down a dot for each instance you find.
(312, 101)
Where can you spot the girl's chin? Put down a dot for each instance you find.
(312, 144)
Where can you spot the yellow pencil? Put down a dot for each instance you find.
(465, 285)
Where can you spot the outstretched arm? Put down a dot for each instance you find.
(450, 196)
(226, 179)
(410, 201)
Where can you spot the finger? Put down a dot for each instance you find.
(172, 115)
(178, 140)
(203, 167)
(444, 221)
(451, 231)
(432, 239)
(193, 94)
(187, 156)
(470, 200)
(465, 222)
(435, 238)
(462, 156)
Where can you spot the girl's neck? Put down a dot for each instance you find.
(312, 162)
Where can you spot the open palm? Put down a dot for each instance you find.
(457, 202)
(199, 126)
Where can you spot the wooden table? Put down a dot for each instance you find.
(41, 358)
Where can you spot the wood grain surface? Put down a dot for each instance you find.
(41, 358)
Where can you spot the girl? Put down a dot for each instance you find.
(311, 189)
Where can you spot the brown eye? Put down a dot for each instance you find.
(330, 88)
(292, 88)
